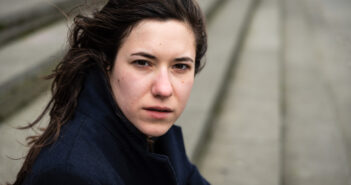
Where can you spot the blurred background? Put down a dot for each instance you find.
(271, 107)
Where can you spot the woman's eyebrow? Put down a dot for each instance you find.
(184, 59)
(143, 54)
(147, 55)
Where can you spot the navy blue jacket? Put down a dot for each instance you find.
(100, 146)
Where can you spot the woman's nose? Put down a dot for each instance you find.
(162, 86)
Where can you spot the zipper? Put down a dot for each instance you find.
(150, 144)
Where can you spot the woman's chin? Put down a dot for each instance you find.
(154, 130)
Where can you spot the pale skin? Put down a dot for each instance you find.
(153, 74)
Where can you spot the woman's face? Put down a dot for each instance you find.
(153, 74)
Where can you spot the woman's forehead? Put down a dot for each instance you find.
(160, 37)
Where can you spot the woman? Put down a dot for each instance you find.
(116, 95)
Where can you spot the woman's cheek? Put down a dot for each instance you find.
(133, 85)
(184, 89)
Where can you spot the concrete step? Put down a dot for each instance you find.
(208, 6)
(18, 18)
(13, 141)
(24, 63)
(27, 59)
(332, 37)
(315, 150)
(225, 33)
(245, 142)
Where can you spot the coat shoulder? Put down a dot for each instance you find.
(78, 153)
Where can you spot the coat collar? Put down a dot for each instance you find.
(96, 101)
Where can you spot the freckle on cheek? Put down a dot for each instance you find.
(119, 82)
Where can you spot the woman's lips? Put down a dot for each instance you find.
(158, 112)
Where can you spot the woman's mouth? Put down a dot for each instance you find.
(158, 112)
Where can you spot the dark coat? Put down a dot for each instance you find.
(100, 146)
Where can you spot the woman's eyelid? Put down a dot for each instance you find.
(141, 61)
(184, 65)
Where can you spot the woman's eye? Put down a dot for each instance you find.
(142, 63)
(181, 66)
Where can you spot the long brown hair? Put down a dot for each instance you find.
(94, 42)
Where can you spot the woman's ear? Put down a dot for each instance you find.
(108, 69)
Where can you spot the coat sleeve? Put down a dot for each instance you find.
(195, 178)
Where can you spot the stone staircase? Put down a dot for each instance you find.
(285, 118)
(271, 107)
